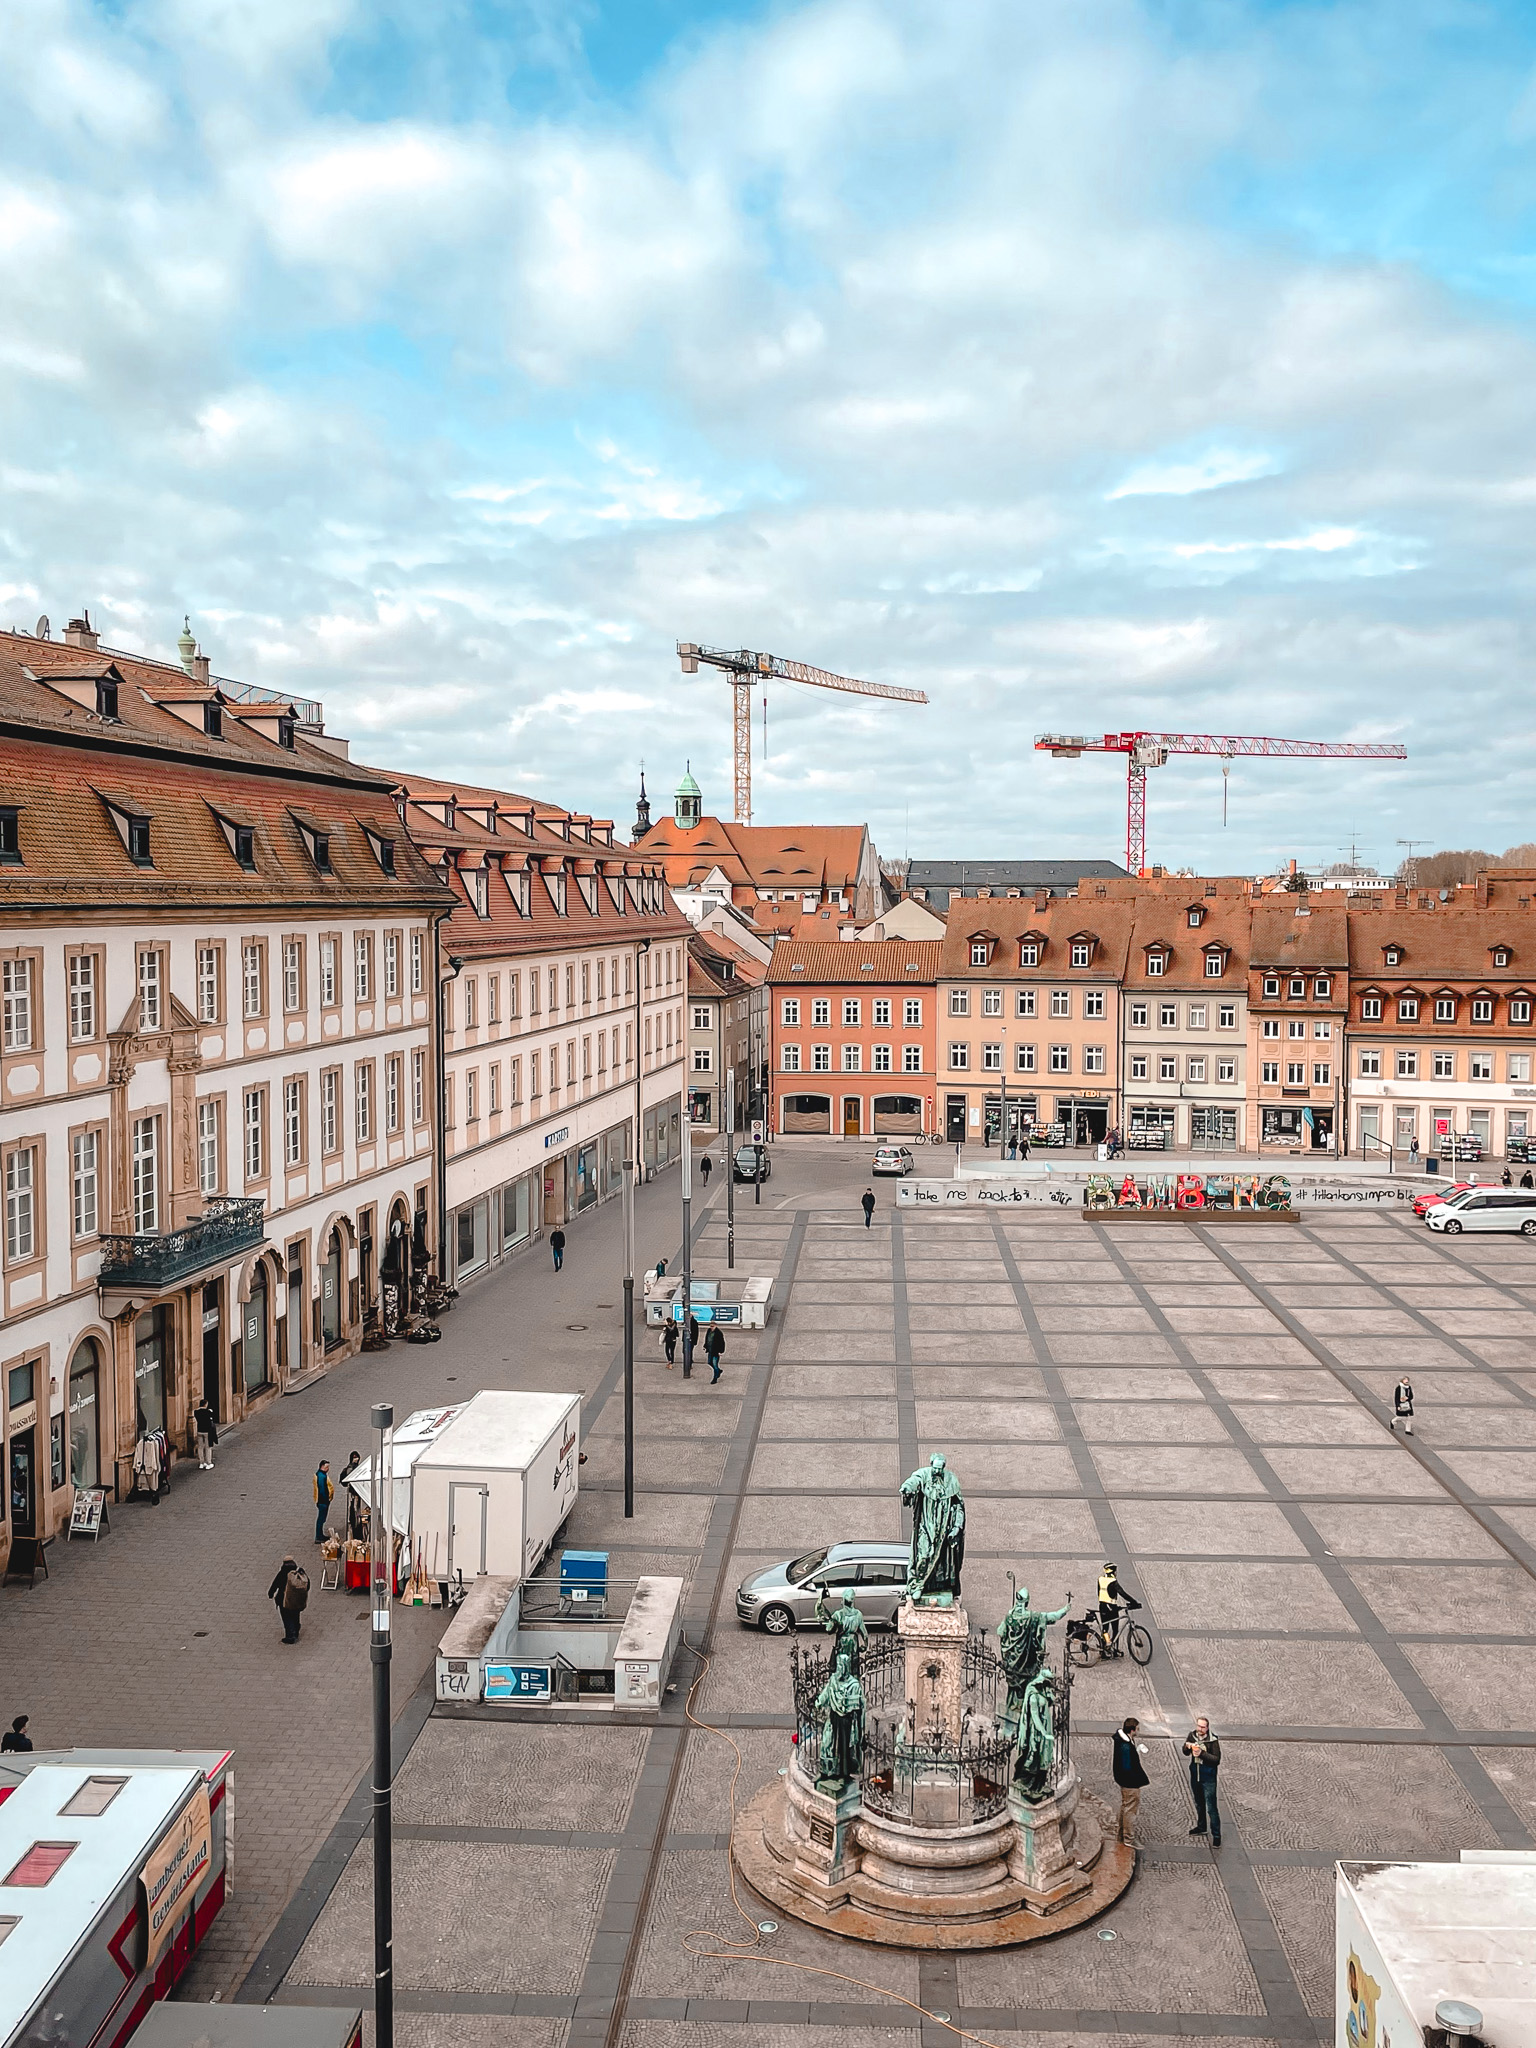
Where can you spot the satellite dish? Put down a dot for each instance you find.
(1445, 895)
(43, 627)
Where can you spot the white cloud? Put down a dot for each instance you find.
(1181, 479)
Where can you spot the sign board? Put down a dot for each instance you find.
(517, 1682)
(759, 1131)
(458, 1678)
(710, 1311)
(88, 1516)
(556, 1137)
(179, 1864)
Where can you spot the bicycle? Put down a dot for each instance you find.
(1087, 1641)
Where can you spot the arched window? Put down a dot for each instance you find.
(84, 1433)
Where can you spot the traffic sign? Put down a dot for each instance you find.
(759, 1130)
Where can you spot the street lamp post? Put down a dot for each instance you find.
(381, 1571)
(687, 1249)
(629, 1339)
(730, 1169)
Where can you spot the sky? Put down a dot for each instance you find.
(1089, 364)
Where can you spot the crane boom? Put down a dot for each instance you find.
(1144, 750)
(742, 666)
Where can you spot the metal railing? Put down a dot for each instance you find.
(228, 1226)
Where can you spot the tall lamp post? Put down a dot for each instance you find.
(687, 1249)
(730, 1169)
(381, 1572)
(631, 1168)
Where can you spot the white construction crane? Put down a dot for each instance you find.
(743, 667)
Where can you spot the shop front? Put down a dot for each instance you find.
(21, 1431)
(1022, 1114)
(805, 1115)
(1212, 1127)
(701, 1107)
(662, 1134)
(84, 1415)
(1084, 1117)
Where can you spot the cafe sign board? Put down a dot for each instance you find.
(180, 1862)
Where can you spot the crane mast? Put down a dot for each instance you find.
(740, 666)
(1144, 750)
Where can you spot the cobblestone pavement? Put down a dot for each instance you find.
(1206, 1404)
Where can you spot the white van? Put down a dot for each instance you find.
(1486, 1209)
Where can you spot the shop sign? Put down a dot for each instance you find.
(88, 1512)
(178, 1865)
(23, 1417)
(556, 1137)
(517, 1682)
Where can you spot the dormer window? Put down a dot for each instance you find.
(475, 888)
(980, 952)
(317, 845)
(1157, 963)
(213, 718)
(382, 849)
(1215, 961)
(1322, 987)
(106, 698)
(1408, 1009)
(245, 848)
(10, 836)
(1370, 1009)
(1029, 953)
(1271, 984)
(1482, 1009)
(137, 842)
(285, 731)
(1393, 955)
(1196, 914)
(1082, 953)
(1445, 1009)
(1501, 956)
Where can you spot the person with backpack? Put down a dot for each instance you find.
(290, 1589)
(1402, 1406)
(557, 1246)
(714, 1350)
(325, 1493)
(207, 1433)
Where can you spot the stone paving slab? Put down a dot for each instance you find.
(1419, 1531)
(1265, 1596)
(1336, 1684)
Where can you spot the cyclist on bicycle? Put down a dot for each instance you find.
(1113, 1602)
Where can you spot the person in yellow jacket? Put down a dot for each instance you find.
(1113, 1602)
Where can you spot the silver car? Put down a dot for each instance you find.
(784, 1597)
(893, 1159)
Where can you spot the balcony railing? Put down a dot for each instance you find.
(228, 1226)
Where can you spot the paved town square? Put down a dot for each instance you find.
(1204, 1404)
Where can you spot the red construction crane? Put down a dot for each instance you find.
(743, 667)
(1144, 750)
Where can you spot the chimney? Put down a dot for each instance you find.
(80, 633)
(1042, 899)
(200, 666)
(1290, 867)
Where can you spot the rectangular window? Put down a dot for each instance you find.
(1024, 1059)
(821, 1010)
(1194, 1069)
(1407, 1066)
(852, 1010)
(1298, 986)
(493, 1088)
(364, 1104)
(1322, 1028)
(959, 1002)
(1029, 954)
(1093, 1002)
(911, 1059)
(880, 1060)
(791, 1059)
(1482, 1010)
(912, 1010)
(293, 975)
(1081, 952)
(789, 1010)
(293, 1123)
(416, 964)
(392, 1092)
(1445, 1009)
(1197, 1016)
(1168, 1016)
(208, 1148)
(471, 1003)
(391, 963)
(362, 953)
(1295, 1073)
(853, 1059)
(992, 1058)
(16, 982)
(82, 997)
(149, 990)
(1519, 1010)
(1370, 1063)
(821, 1059)
(1138, 1066)
(1155, 964)
(1226, 1016)
(255, 1134)
(1322, 1074)
(1408, 1009)
(1061, 1002)
(208, 984)
(701, 1059)
(250, 979)
(471, 1095)
(1370, 1009)
(327, 974)
(1167, 1068)
(514, 1081)
(1024, 1003)
(1226, 1070)
(330, 1137)
(20, 1204)
(1270, 1071)
(701, 1016)
(959, 1056)
(419, 1084)
(1213, 967)
(880, 1012)
(1270, 1027)
(979, 950)
(1445, 1066)
(1061, 1059)
(1480, 1066)
(1139, 1014)
(1322, 987)
(1093, 1059)
(146, 1175)
(1296, 1027)
(991, 1002)
(83, 1161)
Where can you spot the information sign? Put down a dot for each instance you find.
(759, 1131)
(517, 1682)
(88, 1516)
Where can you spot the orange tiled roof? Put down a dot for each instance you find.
(802, 857)
(838, 961)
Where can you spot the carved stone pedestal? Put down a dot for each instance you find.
(1044, 1859)
(935, 1639)
(819, 1834)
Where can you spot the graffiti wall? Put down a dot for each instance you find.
(1274, 1192)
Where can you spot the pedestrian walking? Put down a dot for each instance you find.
(714, 1350)
(1525, 1179)
(1130, 1776)
(669, 1344)
(207, 1434)
(325, 1493)
(1413, 1151)
(1204, 1753)
(557, 1246)
(706, 1168)
(1402, 1406)
(690, 1344)
(1509, 1178)
(290, 1589)
(16, 1740)
(869, 1207)
(357, 1514)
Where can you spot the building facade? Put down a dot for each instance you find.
(1184, 1057)
(853, 1027)
(564, 997)
(215, 1099)
(809, 866)
(727, 1030)
(1298, 1003)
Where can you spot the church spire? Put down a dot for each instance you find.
(642, 810)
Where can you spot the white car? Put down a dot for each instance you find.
(1486, 1209)
(892, 1159)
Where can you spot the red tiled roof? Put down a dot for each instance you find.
(837, 961)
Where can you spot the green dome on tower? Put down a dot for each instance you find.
(689, 807)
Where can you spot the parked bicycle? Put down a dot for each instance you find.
(1088, 1641)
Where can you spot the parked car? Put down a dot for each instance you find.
(1486, 1209)
(746, 1166)
(892, 1159)
(1431, 1197)
(783, 1598)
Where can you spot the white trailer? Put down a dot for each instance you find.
(497, 1484)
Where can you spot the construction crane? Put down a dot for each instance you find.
(1144, 750)
(743, 667)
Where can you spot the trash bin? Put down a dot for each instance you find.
(1431, 1166)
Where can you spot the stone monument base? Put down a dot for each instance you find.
(1028, 1872)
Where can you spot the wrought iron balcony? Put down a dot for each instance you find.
(228, 1226)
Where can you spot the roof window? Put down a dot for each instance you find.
(286, 728)
(245, 848)
(92, 1798)
(42, 1862)
(10, 836)
(106, 698)
(137, 841)
(317, 844)
(213, 718)
(382, 849)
